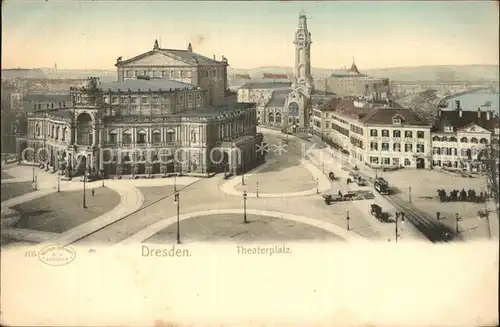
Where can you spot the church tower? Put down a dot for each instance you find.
(302, 77)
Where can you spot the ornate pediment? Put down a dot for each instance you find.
(155, 58)
(473, 128)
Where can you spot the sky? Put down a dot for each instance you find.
(81, 34)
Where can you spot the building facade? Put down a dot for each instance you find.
(144, 127)
(350, 82)
(375, 136)
(183, 66)
(459, 137)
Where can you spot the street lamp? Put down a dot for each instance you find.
(317, 185)
(33, 174)
(257, 189)
(399, 215)
(176, 200)
(457, 219)
(58, 183)
(36, 183)
(245, 207)
(175, 183)
(84, 181)
(347, 218)
(409, 193)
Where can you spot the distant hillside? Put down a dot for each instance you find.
(420, 73)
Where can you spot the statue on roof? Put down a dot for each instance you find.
(224, 59)
(118, 60)
(156, 46)
(190, 47)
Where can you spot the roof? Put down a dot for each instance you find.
(278, 98)
(343, 75)
(33, 97)
(384, 116)
(267, 85)
(182, 55)
(58, 113)
(452, 118)
(242, 76)
(145, 85)
(274, 76)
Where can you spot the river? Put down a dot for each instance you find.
(473, 100)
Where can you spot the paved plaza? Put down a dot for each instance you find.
(288, 207)
(230, 228)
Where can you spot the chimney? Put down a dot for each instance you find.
(488, 115)
(479, 113)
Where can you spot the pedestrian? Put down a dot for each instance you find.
(93, 192)
(438, 215)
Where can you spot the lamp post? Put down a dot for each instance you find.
(409, 194)
(177, 201)
(323, 166)
(58, 183)
(36, 183)
(102, 176)
(245, 221)
(257, 189)
(399, 215)
(457, 219)
(33, 174)
(347, 218)
(84, 181)
(242, 174)
(317, 185)
(175, 183)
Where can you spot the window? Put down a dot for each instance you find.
(396, 133)
(63, 136)
(179, 73)
(408, 147)
(112, 137)
(436, 150)
(189, 74)
(193, 136)
(141, 137)
(395, 161)
(374, 160)
(473, 140)
(463, 140)
(386, 161)
(278, 118)
(483, 141)
(170, 136)
(190, 97)
(436, 138)
(373, 146)
(385, 133)
(420, 134)
(373, 132)
(156, 137)
(144, 100)
(407, 162)
(114, 99)
(396, 147)
(124, 100)
(448, 129)
(385, 146)
(127, 137)
(408, 134)
(271, 117)
(396, 121)
(134, 100)
(420, 148)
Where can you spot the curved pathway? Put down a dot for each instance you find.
(331, 228)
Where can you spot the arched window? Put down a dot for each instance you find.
(57, 132)
(278, 118)
(453, 139)
(473, 140)
(494, 141)
(141, 137)
(271, 117)
(170, 136)
(483, 141)
(463, 140)
(37, 130)
(444, 139)
(396, 133)
(53, 131)
(156, 137)
(63, 136)
(436, 138)
(294, 109)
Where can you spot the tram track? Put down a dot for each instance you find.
(123, 220)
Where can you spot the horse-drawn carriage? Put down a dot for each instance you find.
(329, 198)
(356, 178)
